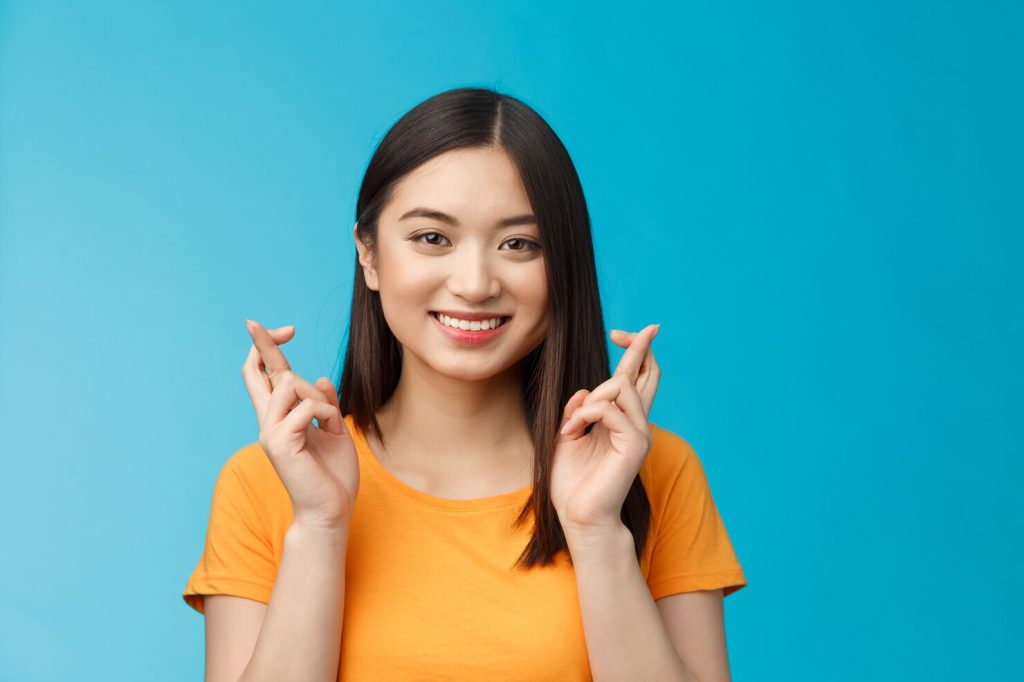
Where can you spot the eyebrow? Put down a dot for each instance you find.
(527, 219)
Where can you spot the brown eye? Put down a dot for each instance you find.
(419, 238)
(530, 245)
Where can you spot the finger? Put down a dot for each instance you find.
(290, 389)
(629, 402)
(574, 402)
(303, 415)
(270, 355)
(644, 379)
(650, 371)
(622, 392)
(631, 360)
(605, 412)
(257, 383)
(329, 390)
(648, 383)
(281, 335)
(607, 389)
(621, 338)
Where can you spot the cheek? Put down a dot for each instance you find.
(401, 294)
(407, 282)
(531, 289)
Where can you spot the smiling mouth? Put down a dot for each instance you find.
(470, 325)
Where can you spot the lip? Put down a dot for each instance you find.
(466, 337)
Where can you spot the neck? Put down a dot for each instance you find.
(449, 420)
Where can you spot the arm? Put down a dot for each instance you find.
(696, 623)
(627, 639)
(300, 636)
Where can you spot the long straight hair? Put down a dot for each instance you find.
(573, 355)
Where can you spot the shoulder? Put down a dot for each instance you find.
(247, 460)
(249, 470)
(671, 456)
(673, 475)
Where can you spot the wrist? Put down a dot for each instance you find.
(336, 535)
(586, 538)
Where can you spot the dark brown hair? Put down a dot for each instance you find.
(574, 353)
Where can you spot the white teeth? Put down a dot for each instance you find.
(466, 325)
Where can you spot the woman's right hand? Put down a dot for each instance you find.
(317, 464)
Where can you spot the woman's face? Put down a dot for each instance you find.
(459, 236)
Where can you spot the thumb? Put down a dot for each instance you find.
(574, 402)
(326, 386)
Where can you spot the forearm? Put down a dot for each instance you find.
(300, 638)
(625, 635)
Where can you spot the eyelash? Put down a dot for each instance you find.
(534, 246)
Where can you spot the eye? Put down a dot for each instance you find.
(419, 238)
(532, 245)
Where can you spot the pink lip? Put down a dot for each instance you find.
(468, 338)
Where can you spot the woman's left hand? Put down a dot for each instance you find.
(591, 473)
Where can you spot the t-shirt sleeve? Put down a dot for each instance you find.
(691, 548)
(238, 558)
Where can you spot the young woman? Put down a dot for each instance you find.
(481, 498)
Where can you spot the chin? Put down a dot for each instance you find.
(467, 369)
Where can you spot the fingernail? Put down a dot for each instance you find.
(657, 329)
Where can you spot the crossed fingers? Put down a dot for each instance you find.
(272, 385)
(631, 389)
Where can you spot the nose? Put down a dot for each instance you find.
(473, 276)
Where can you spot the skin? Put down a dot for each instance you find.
(678, 637)
(592, 472)
(458, 407)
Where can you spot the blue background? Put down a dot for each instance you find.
(820, 203)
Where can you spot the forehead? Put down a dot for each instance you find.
(469, 182)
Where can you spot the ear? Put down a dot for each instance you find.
(366, 260)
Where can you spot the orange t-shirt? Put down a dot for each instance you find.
(429, 593)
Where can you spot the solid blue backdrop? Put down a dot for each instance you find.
(820, 204)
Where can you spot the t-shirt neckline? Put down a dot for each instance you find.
(367, 456)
